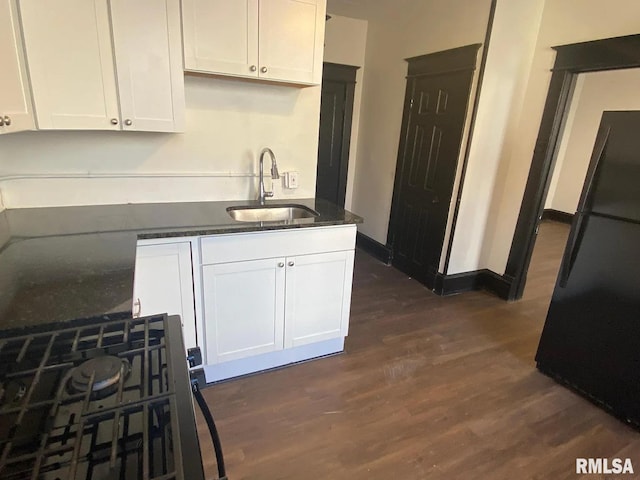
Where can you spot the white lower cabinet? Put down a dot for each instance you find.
(163, 283)
(317, 297)
(259, 312)
(253, 300)
(244, 308)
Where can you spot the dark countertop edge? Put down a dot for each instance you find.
(247, 227)
(194, 231)
(329, 215)
(15, 332)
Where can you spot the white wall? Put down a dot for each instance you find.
(614, 90)
(398, 30)
(513, 39)
(564, 140)
(563, 22)
(228, 122)
(345, 43)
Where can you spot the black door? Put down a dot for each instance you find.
(436, 100)
(336, 109)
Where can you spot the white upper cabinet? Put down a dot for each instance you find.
(221, 36)
(84, 77)
(68, 45)
(148, 51)
(291, 40)
(279, 40)
(15, 98)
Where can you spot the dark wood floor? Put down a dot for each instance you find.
(428, 387)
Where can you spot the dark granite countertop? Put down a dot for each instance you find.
(62, 263)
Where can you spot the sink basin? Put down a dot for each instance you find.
(271, 213)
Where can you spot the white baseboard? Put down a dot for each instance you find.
(266, 361)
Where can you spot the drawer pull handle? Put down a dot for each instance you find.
(138, 308)
(291, 264)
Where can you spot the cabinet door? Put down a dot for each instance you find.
(68, 46)
(291, 40)
(164, 284)
(148, 53)
(243, 308)
(221, 36)
(15, 97)
(318, 297)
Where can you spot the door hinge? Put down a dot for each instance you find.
(411, 103)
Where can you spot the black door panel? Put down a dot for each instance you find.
(435, 111)
(336, 109)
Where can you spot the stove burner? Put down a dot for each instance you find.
(12, 392)
(108, 370)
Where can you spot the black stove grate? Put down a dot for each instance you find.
(49, 431)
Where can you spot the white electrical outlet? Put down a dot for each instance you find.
(291, 180)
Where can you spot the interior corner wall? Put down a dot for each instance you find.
(228, 122)
(563, 22)
(345, 44)
(513, 39)
(419, 27)
(601, 91)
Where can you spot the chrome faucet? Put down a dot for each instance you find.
(274, 174)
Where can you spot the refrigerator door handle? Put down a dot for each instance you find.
(584, 204)
(573, 243)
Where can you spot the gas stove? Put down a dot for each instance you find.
(105, 398)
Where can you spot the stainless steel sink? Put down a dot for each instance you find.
(271, 213)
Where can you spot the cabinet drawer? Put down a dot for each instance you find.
(237, 247)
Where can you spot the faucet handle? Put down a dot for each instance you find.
(275, 175)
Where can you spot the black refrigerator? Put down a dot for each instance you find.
(591, 337)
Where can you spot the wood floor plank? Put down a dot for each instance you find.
(428, 387)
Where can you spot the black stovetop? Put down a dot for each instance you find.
(106, 398)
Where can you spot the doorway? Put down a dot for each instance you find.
(435, 109)
(571, 60)
(336, 111)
